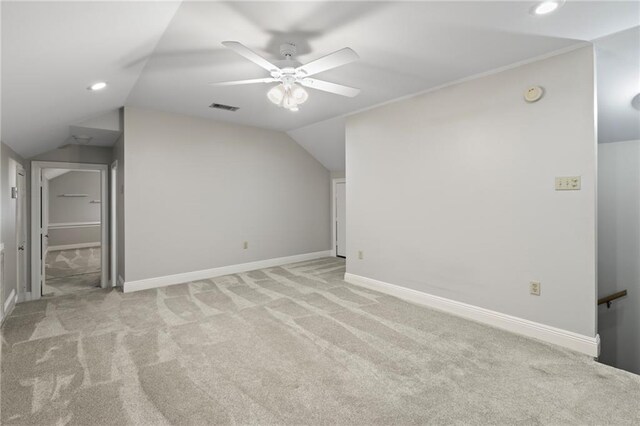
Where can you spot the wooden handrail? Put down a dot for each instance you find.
(611, 298)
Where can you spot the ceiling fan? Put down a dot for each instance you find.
(291, 75)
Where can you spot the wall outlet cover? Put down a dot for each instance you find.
(534, 288)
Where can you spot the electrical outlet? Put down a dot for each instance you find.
(534, 288)
(245, 245)
(360, 255)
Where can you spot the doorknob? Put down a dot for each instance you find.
(21, 247)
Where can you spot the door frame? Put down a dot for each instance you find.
(36, 211)
(334, 206)
(22, 218)
(113, 222)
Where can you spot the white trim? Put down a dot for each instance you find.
(24, 297)
(113, 223)
(334, 182)
(73, 225)
(9, 304)
(73, 246)
(120, 281)
(36, 202)
(186, 277)
(568, 339)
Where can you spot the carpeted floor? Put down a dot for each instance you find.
(288, 345)
(68, 271)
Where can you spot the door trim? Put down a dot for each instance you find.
(113, 222)
(21, 210)
(36, 207)
(334, 182)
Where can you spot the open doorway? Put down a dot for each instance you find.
(69, 229)
(339, 222)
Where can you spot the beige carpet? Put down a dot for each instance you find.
(288, 345)
(69, 271)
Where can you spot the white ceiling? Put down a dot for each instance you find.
(57, 49)
(52, 51)
(325, 141)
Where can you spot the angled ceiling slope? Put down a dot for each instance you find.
(162, 55)
(51, 53)
(618, 71)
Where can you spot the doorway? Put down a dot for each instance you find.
(339, 222)
(70, 247)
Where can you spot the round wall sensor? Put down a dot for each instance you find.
(533, 94)
(635, 102)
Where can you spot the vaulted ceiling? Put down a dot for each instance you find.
(161, 55)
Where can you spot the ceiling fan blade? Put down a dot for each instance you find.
(243, 50)
(332, 60)
(325, 86)
(238, 82)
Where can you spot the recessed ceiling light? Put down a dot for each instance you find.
(98, 86)
(545, 7)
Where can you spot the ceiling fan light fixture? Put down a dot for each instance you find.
(291, 76)
(288, 97)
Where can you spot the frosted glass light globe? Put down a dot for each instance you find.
(299, 94)
(276, 94)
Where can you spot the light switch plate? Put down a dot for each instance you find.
(568, 183)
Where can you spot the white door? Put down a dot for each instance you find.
(341, 220)
(21, 231)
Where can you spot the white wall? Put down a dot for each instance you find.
(619, 252)
(65, 213)
(197, 189)
(74, 209)
(451, 193)
(9, 162)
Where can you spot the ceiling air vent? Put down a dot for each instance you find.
(224, 107)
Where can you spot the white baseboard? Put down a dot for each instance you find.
(24, 297)
(218, 272)
(73, 246)
(574, 341)
(9, 304)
